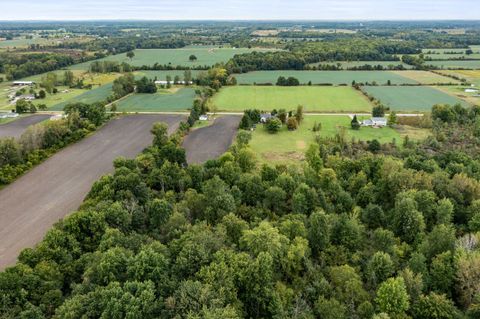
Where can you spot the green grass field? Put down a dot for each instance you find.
(411, 98)
(450, 64)
(291, 145)
(181, 100)
(23, 43)
(205, 57)
(425, 77)
(318, 77)
(91, 96)
(313, 98)
(351, 64)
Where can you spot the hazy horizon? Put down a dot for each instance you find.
(239, 10)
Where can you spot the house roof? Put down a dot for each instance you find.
(379, 119)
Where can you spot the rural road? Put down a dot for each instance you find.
(32, 204)
(212, 141)
(17, 127)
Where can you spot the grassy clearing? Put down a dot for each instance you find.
(451, 64)
(205, 57)
(98, 94)
(288, 146)
(351, 64)
(425, 77)
(162, 101)
(314, 99)
(318, 77)
(411, 98)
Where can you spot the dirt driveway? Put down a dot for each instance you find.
(212, 141)
(17, 127)
(33, 203)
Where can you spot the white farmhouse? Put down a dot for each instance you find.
(375, 122)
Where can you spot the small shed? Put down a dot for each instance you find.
(203, 117)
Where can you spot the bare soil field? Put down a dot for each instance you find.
(17, 127)
(31, 205)
(212, 141)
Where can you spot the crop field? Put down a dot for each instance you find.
(288, 146)
(319, 77)
(162, 75)
(425, 77)
(411, 98)
(459, 91)
(51, 190)
(91, 96)
(211, 141)
(180, 100)
(313, 99)
(452, 64)
(16, 127)
(174, 57)
(351, 64)
(472, 76)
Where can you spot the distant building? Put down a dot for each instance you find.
(23, 83)
(203, 117)
(265, 117)
(375, 122)
(8, 115)
(471, 90)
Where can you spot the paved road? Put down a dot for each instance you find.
(212, 141)
(16, 128)
(33, 203)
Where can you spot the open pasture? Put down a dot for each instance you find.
(174, 57)
(162, 101)
(313, 99)
(425, 77)
(411, 98)
(23, 42)
(322, 77)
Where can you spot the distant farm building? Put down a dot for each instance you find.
(23, 83)
(8, 115)
(158, 82)
(471, 90)
(203, 117)
(375, 122)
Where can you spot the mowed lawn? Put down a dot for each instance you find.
(313, 98)
(323, 77)
(411, 98)
(161, 101)
(291, 145)
(176, 57)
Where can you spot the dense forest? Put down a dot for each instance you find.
(359, 230)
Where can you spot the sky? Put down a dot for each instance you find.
(240, 9)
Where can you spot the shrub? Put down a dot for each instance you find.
(292, 124)
(273, 125)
